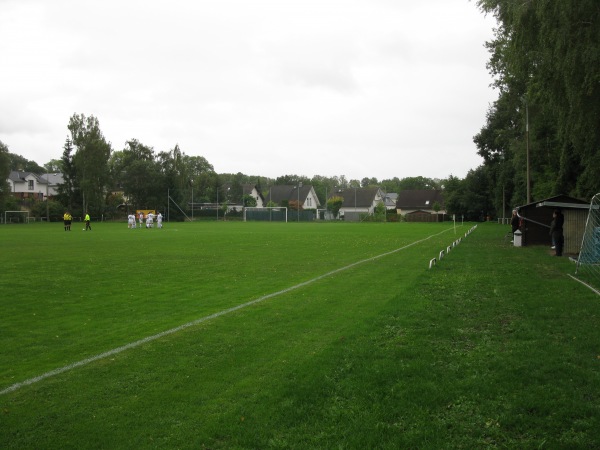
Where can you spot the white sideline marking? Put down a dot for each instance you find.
(145, 340)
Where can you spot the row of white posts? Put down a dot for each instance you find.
(433, 261)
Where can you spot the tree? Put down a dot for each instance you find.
(248, 200)
(18, 162)
(138, 173)
(90, 160)
(334, 204)
(67, 190)
(380, 212)
(544, 60)
(4, 173)
(53, 166)
(412, 183)
(368, 182)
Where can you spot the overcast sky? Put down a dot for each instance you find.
(361, 88)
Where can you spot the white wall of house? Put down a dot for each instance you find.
(311, 201)
(27, 184)
(255, 194)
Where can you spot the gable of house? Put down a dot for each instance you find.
(252, 190)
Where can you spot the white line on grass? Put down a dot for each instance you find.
(145, 340)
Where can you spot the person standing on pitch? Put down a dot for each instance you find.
(149, 220)
(87, 222)
(159, 220)
(67, 218)
(514, 222)
(141, 217)
(556, 231)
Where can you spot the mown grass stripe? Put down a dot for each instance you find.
(154, 337)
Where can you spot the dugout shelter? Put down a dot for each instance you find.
(536, 218)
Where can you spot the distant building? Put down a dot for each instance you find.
(419, 205)
(358, 201)
(282, 194)
(25, 185)
(252, 190)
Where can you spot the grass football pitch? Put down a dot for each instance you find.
(299, 335)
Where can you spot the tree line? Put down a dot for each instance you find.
(542, 135)
(94, 175)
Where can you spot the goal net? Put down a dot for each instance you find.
(588, 262)
(266, 214)
(16, 216)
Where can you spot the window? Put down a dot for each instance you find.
(31, 185)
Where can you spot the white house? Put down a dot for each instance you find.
(305, 194)
(250, 189)
(30, 185)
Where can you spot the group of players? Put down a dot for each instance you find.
(131, 220)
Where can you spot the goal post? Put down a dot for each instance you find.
(266, 213)
(16, 217)
(588, 262)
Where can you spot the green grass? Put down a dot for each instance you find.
(494, 347)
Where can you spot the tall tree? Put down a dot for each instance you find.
(91, 161)
(546, 57)
(67, 191)
(4, 172)
(137, 172)
(18, 162)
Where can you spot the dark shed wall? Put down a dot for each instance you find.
(538, 218)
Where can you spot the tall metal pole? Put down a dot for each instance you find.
(47, 204)
(298, 206)
(527, 147)
(325, 215)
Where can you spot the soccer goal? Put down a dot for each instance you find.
(588, 262)
(266, 214)
(16, 216)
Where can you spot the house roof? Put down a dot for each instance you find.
(247, 189)
(287, 192)
(419, 199)
(17, 176)
(390, 199)
(357, 197)
(53, 178)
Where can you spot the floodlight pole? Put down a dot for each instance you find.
(47, 204)
(298, 206)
